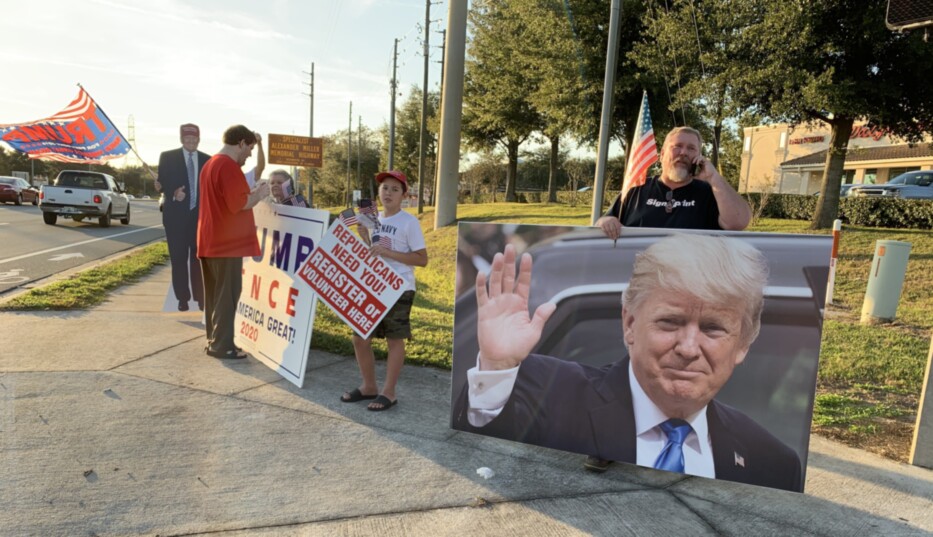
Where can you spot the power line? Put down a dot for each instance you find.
(670, 100)
(696, 29)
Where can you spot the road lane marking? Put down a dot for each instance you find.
(62, 257)
(12, 276)
(10, 260)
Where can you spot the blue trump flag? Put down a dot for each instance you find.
(80, 133)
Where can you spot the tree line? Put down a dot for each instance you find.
(534, 81)
(535, 72)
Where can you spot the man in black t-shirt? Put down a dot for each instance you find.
(689, 194)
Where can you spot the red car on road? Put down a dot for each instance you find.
(16, 190)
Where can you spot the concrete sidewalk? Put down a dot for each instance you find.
(114, 422)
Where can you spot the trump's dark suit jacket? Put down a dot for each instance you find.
(173, 173)
(569, 406)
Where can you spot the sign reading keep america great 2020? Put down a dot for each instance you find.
(275, 311)
(359, 287)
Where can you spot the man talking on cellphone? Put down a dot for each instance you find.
(689, 194)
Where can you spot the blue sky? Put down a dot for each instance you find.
(212, 62)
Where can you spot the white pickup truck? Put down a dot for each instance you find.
(80, 194)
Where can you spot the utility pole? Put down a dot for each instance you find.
(359, 151)
(443, 44)
(424, 109)
(349, 147)
(311, 134)
(392, 111)
(440, 106)
(448, 155)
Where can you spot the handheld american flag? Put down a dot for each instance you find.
(348, 217)
(644, 151)
(369, 214)
(80, 133)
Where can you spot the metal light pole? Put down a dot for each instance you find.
(612, 47)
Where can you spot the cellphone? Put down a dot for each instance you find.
(694, 169)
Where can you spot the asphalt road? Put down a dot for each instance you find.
(31, 250)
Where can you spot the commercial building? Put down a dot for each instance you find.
(779, 158)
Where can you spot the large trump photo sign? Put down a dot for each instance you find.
(692, 351)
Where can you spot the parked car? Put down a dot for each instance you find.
(17, 190)
(161, 201)
(910, 185)
(844, 190)
(84, 194)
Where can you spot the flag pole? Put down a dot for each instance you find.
(628, 155)
(638, 149)
(133, 149)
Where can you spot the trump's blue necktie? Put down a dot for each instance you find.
(671, 457)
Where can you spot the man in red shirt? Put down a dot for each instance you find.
(226, 234)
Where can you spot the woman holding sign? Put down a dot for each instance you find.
(399, 241)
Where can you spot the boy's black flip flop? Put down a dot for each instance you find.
(354, 396)
(384, 401)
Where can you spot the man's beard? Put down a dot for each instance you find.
(678, 174)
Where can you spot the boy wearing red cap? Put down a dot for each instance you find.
(400, 242)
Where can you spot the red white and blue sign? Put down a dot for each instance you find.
(80, 133)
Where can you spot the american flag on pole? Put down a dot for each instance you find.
(644, 151)
(81, 133)
(348, 217)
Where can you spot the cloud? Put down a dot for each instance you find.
(180, 13)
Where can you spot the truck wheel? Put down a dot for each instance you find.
(19, 199)
(126, 218)
(50, 218)
(104, 221)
